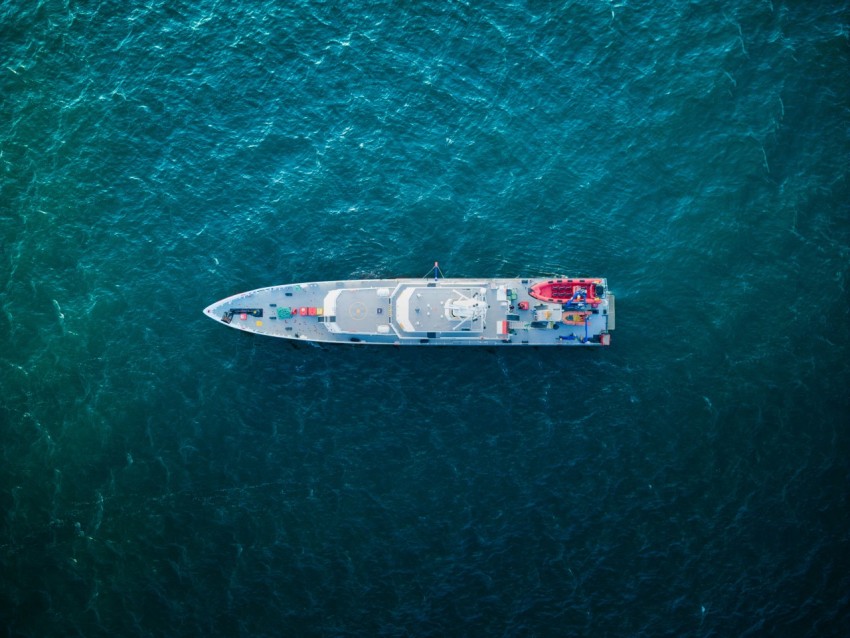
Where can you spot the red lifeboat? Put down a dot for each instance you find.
(564, 290)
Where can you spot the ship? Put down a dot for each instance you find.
(564, 311)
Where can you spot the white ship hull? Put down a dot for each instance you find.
(459, 312)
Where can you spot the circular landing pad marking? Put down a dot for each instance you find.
(357, 310)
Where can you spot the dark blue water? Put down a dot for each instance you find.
(164, 476)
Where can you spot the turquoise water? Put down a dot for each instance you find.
(162, 475)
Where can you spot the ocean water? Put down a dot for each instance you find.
(164, 476)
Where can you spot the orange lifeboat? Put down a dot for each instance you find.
(575, 318)
(564, 290)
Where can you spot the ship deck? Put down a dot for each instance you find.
(417, 312)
